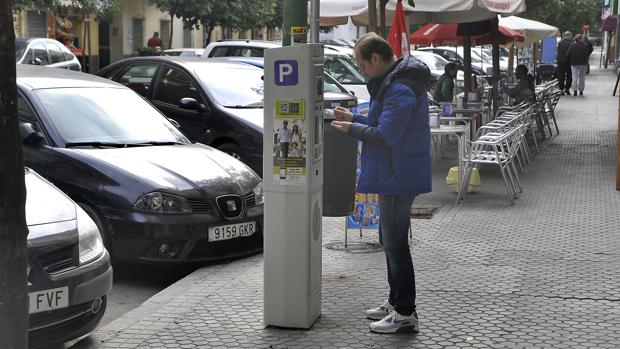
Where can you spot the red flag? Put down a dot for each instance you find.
(399, 38)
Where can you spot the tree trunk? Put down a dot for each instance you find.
(171, 29)
(84, 67)
(13, 231)
(209, 32)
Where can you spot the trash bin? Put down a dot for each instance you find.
(339, 167)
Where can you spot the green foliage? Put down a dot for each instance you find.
(105, 10)
(240, 14)
(43, 5)
(568, 15)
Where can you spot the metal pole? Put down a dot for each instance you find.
(315, 10)
(382, 15)
(372, 16)
(467, 68)
(295, 18)
(495, 91)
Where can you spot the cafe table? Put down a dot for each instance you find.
(462, 134)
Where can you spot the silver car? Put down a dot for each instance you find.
(48, 52)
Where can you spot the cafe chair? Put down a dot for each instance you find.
(499, 149)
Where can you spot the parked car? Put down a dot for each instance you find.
(215, 102)
(436, 64)
(69, 273)
(155, 196)
(48, 52)
(456, 55)
(340, 66)
(334, 94)
(187, 52)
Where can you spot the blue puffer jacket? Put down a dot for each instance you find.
(396, 157)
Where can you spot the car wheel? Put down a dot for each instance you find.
(231, 149)
(103, 230)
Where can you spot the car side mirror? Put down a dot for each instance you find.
(192, 104)
(352, 93)
(29, 135)
(37, 61)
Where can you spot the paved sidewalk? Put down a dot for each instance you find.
(542, 273)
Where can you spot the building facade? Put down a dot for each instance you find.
(98, 43)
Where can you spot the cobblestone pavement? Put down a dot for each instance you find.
(542, 273)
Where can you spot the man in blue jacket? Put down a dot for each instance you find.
(396, 164)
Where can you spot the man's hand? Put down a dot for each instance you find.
(343, 114)
(342, 126)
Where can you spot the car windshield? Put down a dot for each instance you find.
(331, 85)
(105, 115)
(173, 53)
(233, 86)
(432, 61)
(20, 47)
(344, 69)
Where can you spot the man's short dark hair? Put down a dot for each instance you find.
(450, 67)
(156, 34)
(523, 68)
(370, 43)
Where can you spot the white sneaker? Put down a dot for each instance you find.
(395, 322)
(380, 312)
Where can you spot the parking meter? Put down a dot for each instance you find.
(293, 185)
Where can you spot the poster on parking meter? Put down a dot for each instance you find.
(289, 142)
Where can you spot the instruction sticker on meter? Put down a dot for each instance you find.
(289, 146)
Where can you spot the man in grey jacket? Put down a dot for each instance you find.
(578, 56)
(565, 78)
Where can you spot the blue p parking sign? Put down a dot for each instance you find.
(286, 72)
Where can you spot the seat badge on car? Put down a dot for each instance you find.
(232, 205)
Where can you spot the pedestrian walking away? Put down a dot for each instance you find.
(395, 163)
(578, 56)
(565, 77)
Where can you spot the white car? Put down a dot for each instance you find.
(455, 54)
(185, 52)
(47, 52)
(340, 66)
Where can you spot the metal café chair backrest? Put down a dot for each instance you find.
(499, 149)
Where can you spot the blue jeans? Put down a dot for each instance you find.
(393, 235)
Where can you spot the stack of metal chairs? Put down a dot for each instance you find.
(503, 141)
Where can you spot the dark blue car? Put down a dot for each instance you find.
(155, 196)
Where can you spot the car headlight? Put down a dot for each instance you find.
(91, 245)
(162, 202)
(259, 195)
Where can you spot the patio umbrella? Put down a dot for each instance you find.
(398, 34)
(424, 11)
(533, 31)
(437, 34)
